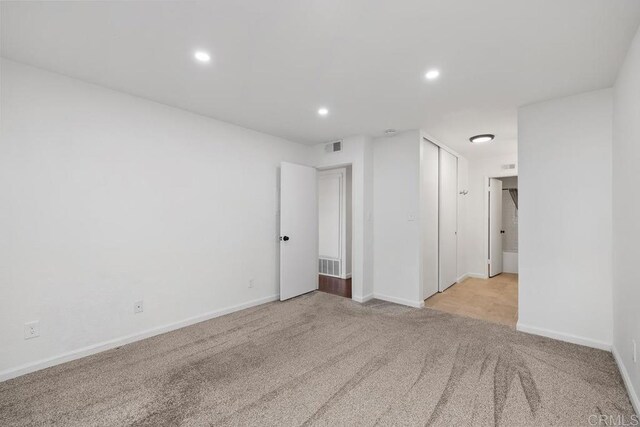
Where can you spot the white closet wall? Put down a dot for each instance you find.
(408, 194)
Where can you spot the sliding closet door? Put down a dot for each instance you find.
(448, 215)
(429, 218)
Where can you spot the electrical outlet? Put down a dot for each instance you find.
(634, 354)
(251, 283)
(31, 330)
(138, 307)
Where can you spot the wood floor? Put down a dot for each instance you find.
(334, 285)
(494, 300)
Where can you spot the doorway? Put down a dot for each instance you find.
(335, 231)
(503, 226)
(315, 202)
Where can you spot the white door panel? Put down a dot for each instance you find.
(298, 230)
(495, 227)
(430, 219)
(448, 220)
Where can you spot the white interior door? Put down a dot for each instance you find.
(429, 218)
(298, 230)
(495, 227)
(448, 220)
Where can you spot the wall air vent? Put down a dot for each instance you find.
(329, 267)
(333, 147)
(509, 166)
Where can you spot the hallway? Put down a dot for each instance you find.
(494, 300)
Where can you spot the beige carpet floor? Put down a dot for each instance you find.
(321, 359)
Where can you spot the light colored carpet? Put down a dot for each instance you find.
(320, 359)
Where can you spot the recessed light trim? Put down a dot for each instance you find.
(202, 56)
(432, 74)
(323, 111)
(479, 139)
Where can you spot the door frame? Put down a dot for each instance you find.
(342, 173)
(485, 234)
(345, 165)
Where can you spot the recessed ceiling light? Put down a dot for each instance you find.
(323, 111)
(487, 137)
(432, 74)
(202, 56)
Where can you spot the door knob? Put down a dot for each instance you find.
(285, 238)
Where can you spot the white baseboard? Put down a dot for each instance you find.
(633, 395)
(463, 277)
(117, 342)
(362, 299)
(473, 275)
(574, 339)
(343, 277)
(416, 304)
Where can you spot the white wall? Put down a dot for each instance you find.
(626, 211)
(565, 218)
(331, 206)
(463, 223)
(396, 207)
(349, 221)
(475, 218)
(107, 199)
(358, 152)
(510, 262)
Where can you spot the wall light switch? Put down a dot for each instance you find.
(31, 330)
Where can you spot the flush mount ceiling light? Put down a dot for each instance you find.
(432, 74)
(202, 56)
(487, 137)
(323, 111)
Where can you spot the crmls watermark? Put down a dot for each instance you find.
(614, 420)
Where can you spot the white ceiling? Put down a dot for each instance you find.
(275, 62)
